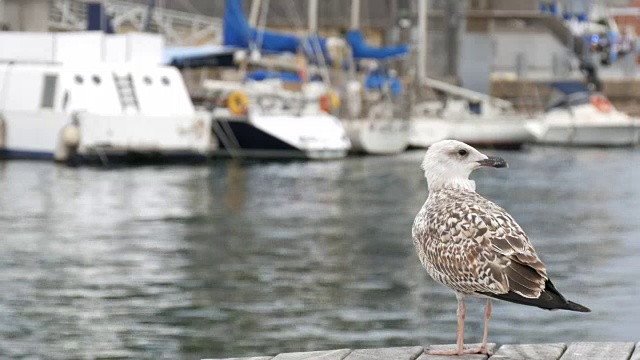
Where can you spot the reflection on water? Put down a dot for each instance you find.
(238, 259)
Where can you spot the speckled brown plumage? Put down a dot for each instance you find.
(472, 245)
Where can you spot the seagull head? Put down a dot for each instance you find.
(448, 164)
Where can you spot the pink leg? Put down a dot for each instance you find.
(487, 316)
(462, 313)
(459, 350)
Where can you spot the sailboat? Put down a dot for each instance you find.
(271, 113)
(374, 113)
(463, 114)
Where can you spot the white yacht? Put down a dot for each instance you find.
(262, 118)
(375, 119)
(271, 114)
(585, 119)
(474, 118)
(92, 96)
(375, 112)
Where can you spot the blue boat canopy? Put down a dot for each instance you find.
(361, 50)
(238, 33)
(260, 75)
(378, 80)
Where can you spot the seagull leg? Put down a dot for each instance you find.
(459, 350)
(462, 313)
(485, 335)
(483, 348)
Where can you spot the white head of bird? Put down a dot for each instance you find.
(448, 164)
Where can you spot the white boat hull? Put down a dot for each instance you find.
(427, 131)
(41, 135)
(503, 133)
(318, 136)
(378, 137)
(626, 135)
(587, 126)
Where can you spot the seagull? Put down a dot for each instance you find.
(474, 246)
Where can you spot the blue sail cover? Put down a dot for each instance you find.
(378, 80)
(315, 47)
(238, 33)
(260, 75)
(361, 50)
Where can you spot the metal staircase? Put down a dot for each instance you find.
(178, 28)
(126, 93)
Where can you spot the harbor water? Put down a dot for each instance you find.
(252, 258)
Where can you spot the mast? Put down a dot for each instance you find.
(355, 14)
(422, 39)
(254, 12)
(313, 17)
(253, 20)
(314, 42)
(147, 16)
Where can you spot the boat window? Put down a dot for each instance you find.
(49, 91)
(147, 80)
(79, 79)
(96, 79)
(165, 80)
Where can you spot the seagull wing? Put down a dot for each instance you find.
(510, 250)
(473, 246)
(506, 246)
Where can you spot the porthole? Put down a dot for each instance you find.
(78, 79)
(165, 81)
(147, 80)
(96, 79)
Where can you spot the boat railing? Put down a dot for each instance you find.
(368, 103)
(179, 28)
(262, 100)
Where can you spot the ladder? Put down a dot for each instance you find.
(126, 92)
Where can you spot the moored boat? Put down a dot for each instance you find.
(84, 96)
(476, 119)
(576, 116)
(263, 119)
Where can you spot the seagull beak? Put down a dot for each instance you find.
(494, 161)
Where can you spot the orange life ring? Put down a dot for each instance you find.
(601, 103)
(329, 101)
(238, 103)
(325, 103)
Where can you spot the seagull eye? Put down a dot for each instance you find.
(462, 152)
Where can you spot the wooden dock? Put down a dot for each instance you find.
(558, 351)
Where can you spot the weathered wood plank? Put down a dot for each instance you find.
(529, 351)
(426, 356)
(397, 353)
(315, 355)
(636, 352)
(598, 350)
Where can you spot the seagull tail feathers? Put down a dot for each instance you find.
(577, 307)
(549, 299)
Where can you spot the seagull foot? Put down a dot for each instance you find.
(443, 352)
(480, 350)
